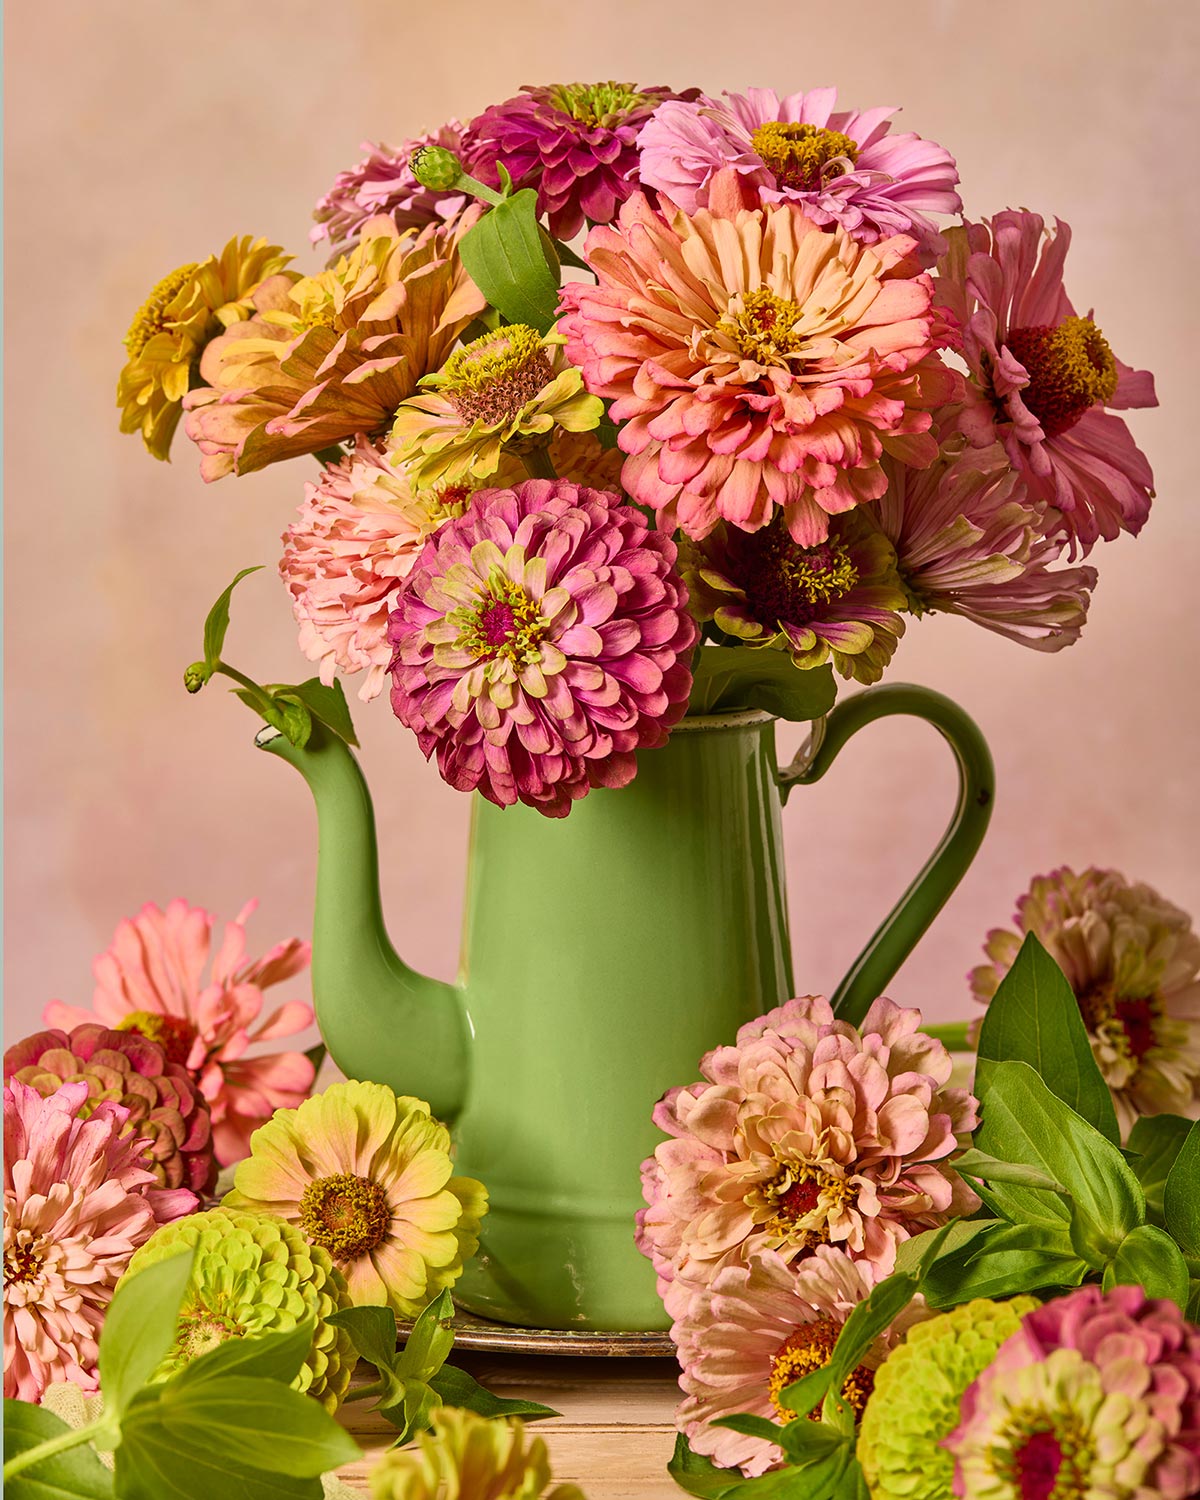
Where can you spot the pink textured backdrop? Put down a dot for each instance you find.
(143, 133)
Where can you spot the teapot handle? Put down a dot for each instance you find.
(912, 915)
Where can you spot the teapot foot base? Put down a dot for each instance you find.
(472, 1332)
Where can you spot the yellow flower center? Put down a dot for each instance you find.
(24, 1258)
(173, 1034)
(345, 1214)
(504, 624)
(448, 501)
(806, 1350)
(803, 157)
(799, 1192)
(490, 379)
(1044, 1455)
(596, 103)
(202, 1330)
(763, 326)
(1130, 1022)
(785, 583)
(1070, 367)
(149, 318)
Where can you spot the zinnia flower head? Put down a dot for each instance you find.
(1041, 378)
(843, 166)
(253, 1274)
(756, 362)
(576, 143)
(78, 1201)
(807, 1131)
(165, 1108)
(368, 1176)
(835, 601)
(1096, 1394)
(969, 541)
(383, 184)
(462, 1456)
(329, 356)
(508, 389)
(918, 1390)
(758, 1328)
(1133, 962)
(169, 331)
(542, 639)
(151, 981)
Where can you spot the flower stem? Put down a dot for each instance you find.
(537, 464)
(365, 1392)
(954, 1036)
(42, 1451)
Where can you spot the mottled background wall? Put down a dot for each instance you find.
(142, 133)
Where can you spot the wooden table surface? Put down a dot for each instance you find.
(613, 1439)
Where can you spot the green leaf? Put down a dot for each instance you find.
(73, 1474)
(217, 622)
(914, 1253)
(746, 677)
(1156, 1140)
(807, 1393)
(699, 1476)
(372, 1331)
(864, 1325)
(152, 1465)
(1034, 1018)
(1181, 1195)
(295, 719)
(1193, 1306)
(327, 704)
(275, 1355)
(1150, 1258)
(457, 1388)
(139, 1328)
(505, 257)
(977, 1164)
(1005, 1261)
(853, 1483)
(412, 1412)
(750, 1425)
(1023, 1122)
(430, 1341)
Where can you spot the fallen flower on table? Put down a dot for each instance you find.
(471, 1457)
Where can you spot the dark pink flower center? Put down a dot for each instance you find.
(174, 1034)
(788, 584)
(1137, 1016)
(496, 624)
(1070, 368)
(1037, 1464)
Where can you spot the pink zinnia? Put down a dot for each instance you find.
(78, 1201)
(756, 362)
(576, 143)
(1041, 378)
(843, 167)
(969, 542)
(542, 639)
(151, 981)
(1096, 1394)
(807, 1131)
(383, 183)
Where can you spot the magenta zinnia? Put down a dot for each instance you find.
(1133, 961)
(807, 1131)
(1042, 376)
(1096, 1394)
(843, 166)
(757, 362)
(542, 639)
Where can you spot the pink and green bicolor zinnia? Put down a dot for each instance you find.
(541, 640)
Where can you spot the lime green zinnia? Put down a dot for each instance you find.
(917, 1393)
(254, 1274)
(466, 1457)
(509, 389)
(367, 1175)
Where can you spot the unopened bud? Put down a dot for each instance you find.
(434, 167)
(196, 676)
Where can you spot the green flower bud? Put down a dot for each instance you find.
(196, 676)
(434, 167)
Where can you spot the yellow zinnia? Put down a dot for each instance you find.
(467, 1457)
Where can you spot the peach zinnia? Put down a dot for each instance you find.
(756, 361)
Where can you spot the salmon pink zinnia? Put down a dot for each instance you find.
(151, 980)
(756, 361)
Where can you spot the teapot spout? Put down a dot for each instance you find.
(380, 1019)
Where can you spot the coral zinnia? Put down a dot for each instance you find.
(252, 1274)
(542, 639)
(844, 167)
(834, 601)
(754, 1331)
(466, 1457)
(576, 143)
(969, 542)
(1041, 377)
(368, 1176)
(328, 356)
(151, 981)
(756, 361)
(183, 312)
(1133, 962)
(807, 1131)
(78, 1201)
(1096, 1394)
(166, 1109)
(507, 390)
(383, 184)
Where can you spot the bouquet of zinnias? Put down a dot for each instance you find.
(780, 405)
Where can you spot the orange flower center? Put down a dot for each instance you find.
(1045, 1455)
(803, 157)
(763, 326)
(173, 1034)
(345, 1214)
(1070, 368)
(150, 317)
(785, 583)
(1132, 1019)
(23, 1260)
(806, 1350)
(492, 378)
